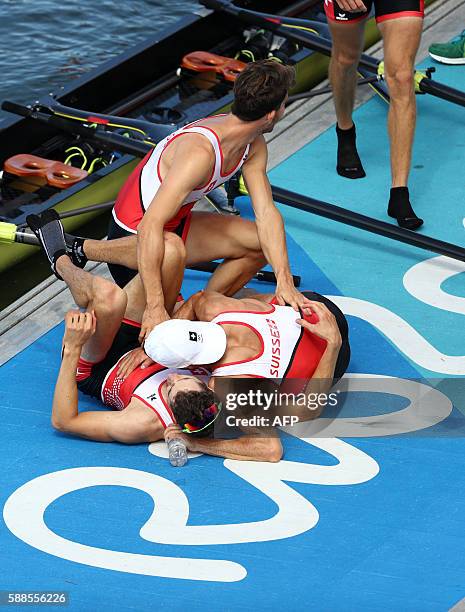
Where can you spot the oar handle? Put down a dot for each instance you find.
(250, 17)
(7, 233)
(10, 233)
(16, 109)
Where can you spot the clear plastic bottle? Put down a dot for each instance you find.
(177, 452)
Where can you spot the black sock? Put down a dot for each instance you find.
(49, 231)
(400, 208)
(75, 249)
(348, 161)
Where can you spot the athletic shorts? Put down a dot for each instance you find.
(384, 10)
(122, 275)
(90, 376)
(343, 358)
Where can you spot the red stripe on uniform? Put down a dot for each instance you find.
(256, 332)
(223, 174)
(131, 322)
(399, 15)
(151, 408)
(129, 209)
(164, 149)
(329, 10)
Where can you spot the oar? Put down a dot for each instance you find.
(10, 233)
(104, 138)
(374, 226)
(325, 90)
(307, 38)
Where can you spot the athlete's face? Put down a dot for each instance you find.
(182, 382)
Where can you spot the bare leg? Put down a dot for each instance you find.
(345, 55)
(401, 40)
(347, 48)
(213, 236)
(120, 251)
(95, 293)
(235, 240)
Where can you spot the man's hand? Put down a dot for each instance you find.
(174, 431)
(79, 327)
(133, 360)
(352, 6)
(286, 293)
(326, 327)
(152, 317)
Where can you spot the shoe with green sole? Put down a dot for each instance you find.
(452, 52)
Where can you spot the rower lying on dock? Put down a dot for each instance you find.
(268, 343)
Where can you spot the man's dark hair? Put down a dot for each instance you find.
(261, 88)
(192, 407)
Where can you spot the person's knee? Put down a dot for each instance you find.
(108, 298)
(400, 81)
(345, 57)
(256, 258)
(175, 249)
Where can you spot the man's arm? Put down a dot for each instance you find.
(321, 382)
(259, 447)
(206, 305)
(190, 167)
(247, 448)
(270, 225)
(99, 426)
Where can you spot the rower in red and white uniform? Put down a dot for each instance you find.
(158, 197)
(141, 187)
(263, 339)
(302, 353)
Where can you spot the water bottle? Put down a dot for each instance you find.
(177, 452)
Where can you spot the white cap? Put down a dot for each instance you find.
(178, 344)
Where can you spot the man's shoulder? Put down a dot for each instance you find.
(193, 141)
(140, 423)
(258, 151)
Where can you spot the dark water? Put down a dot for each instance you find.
(47, 43)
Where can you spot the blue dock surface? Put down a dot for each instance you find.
(366, 521)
